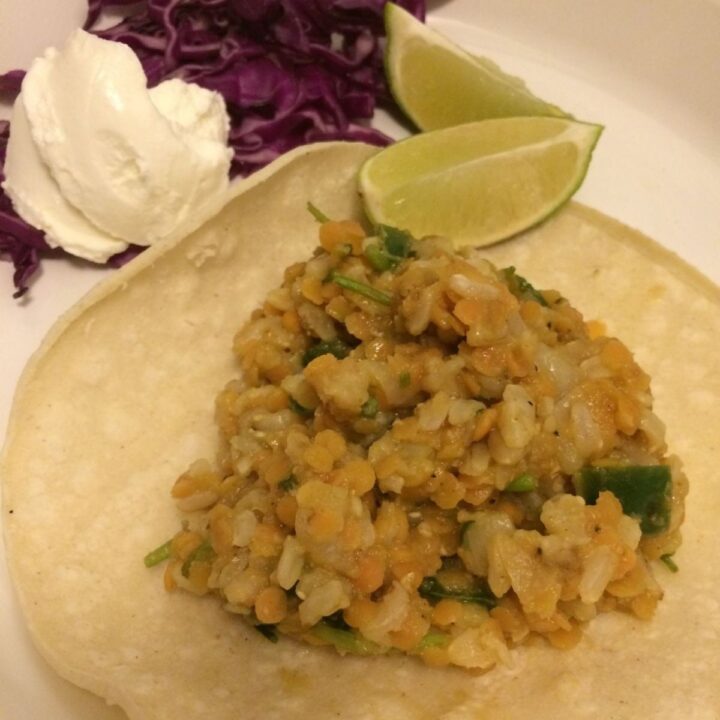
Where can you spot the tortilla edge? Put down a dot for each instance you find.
(118, 280)
(686, 273)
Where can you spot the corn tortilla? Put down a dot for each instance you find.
(119, 399)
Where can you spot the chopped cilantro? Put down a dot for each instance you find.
(299, 409)
(345, 641)
(432, 589)
(397, 242)
(433, 638)
(380, 259)
(288, 484)
(521, 288)
(319, 215)
(158, 555)
(370, 408)
(464, 528)
(643, 491)
(202, 553)
(361, 288)
(522, 483)
(334, 347)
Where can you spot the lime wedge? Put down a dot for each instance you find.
(480, 182)
(438, 85)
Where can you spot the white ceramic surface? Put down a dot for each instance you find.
(646, 70)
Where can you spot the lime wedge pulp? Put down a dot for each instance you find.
(480, 182)
(438, 85)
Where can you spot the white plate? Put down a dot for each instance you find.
(647, 71)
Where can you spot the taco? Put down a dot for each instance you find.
(118, 402)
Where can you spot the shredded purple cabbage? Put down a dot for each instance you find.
(291, 72)
(11, 81)
(20, 242)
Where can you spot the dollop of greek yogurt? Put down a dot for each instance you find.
(98, 161)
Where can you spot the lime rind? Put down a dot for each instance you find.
(573, 187)
(421, 218)
(512, 98)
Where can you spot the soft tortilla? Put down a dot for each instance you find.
(120, 398)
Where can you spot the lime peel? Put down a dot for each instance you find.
(481, 182)
(438, 84)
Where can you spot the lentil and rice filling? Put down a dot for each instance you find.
(423, 453)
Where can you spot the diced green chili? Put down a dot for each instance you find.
(334, 347)
(432, 589)
(158, 555)
(267, 631)
(370, 407)
(669, 562)
(521, 288)
(345, 641)
(319, 215)
(201, 553)
(643, 491)
(299, 409)
(522, 483)
(361, 288)
(397, 242)
(380, 259)
(288, 484)
(404, 379)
